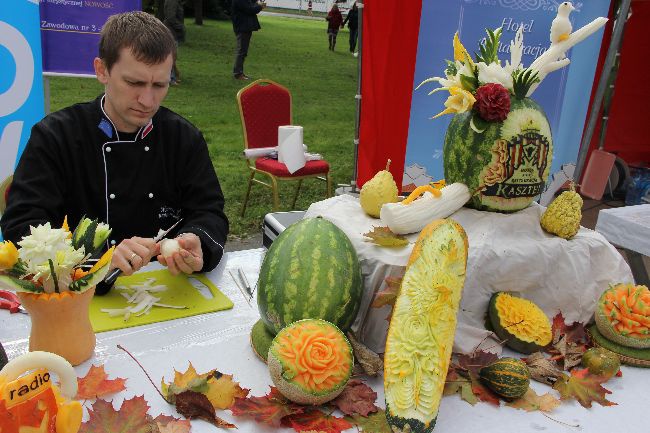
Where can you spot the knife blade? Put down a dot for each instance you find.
(104, 286)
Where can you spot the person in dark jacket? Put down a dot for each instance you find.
(124, 160)
(352, 19)
(173, 18)
(334, 20)
(244, 23)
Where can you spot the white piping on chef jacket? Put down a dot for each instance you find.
(117, 134)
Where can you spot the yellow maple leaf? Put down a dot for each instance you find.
(531, 402)
(223, 390)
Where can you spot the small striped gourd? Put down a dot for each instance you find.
(421, 333)
(311, 271)
(507, 377)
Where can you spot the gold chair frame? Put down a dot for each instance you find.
(273, 180)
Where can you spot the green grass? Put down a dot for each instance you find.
(290, 51)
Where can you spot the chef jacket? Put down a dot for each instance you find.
(76, 163)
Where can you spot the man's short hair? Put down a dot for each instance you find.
(148, 38)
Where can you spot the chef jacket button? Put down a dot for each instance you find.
(112, 241)
(146, 148)
(112, 196)
(108, 149)
(150, 195)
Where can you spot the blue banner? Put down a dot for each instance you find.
(563, 94)
(70, 32)
(21, 83)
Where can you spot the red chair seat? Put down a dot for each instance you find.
(279, 169)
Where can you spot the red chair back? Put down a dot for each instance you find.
(263, 105)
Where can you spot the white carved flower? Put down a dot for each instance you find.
(494, 73)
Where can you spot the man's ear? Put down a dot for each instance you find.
(100, 70)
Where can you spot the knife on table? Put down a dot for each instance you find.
(104, 286)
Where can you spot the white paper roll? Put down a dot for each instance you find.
(290, 148)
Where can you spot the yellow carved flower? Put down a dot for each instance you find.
(459, 101)
(8, 255)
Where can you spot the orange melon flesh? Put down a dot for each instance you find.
(623, 315)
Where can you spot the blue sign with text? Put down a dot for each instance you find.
(563, 94)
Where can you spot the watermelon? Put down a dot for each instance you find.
(311, 271)
(505, 166)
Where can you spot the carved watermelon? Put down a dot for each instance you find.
(506, 166)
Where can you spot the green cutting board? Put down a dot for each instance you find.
(180, 292)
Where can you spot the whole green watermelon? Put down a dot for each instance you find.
(311, 271)
(507, 165)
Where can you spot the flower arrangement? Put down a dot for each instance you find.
(52, 260)
(484, 86)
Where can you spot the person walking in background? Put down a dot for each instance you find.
(353, 24)
(310, 7)
(173, 15)
(244, 23)
(334, 20)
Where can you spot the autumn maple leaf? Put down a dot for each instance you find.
(222, 390)
(476, 360)
(569, 342)
(388, 295)
(575, 333)
(531, 402)
(96, 384)
(169, 424)
(583, 387)
(356, 398)
(269, 409)
(374, 423)
(384, 237)
(132, 417)
(316, 420)
(194, 405)
(456, 383)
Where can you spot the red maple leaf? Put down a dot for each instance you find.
(482, 392)
(130, 418)
(583, 387)
(316, 420)
(476, 360)
(96, 384)
(269, 409)
(356, 398)
(575, 333)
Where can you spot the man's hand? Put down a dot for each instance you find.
(132, 254)
(188, 259)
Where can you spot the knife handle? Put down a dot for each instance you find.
(106, 284)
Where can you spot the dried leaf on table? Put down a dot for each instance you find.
(96, 384)
(569, 353)
(222, 390)
(316, 420)
(371, 363)
(483, 392)
(388, 295)
(269, 409)
(542, 369)
(531, 402)
(575, 333)
(169, 424)
(384, 237)
(189, 380)
(473, 362)
(132, 417)
(194, 405)
(456, 383)
(356, 399)
(582, 386)
(374, 423)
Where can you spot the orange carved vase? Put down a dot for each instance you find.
(61, 324)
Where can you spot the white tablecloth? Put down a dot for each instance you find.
(221, 340)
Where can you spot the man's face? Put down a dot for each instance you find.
(134, 90)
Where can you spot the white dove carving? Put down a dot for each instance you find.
(561, 26)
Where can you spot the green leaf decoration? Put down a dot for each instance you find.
(451, 70)
(469, 83)
(18, 285)
(477, 123)
(522, 80)
(384, 237)
(489, 48)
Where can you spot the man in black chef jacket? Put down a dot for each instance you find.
(124, 159)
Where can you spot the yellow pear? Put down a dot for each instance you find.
(377, 191)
